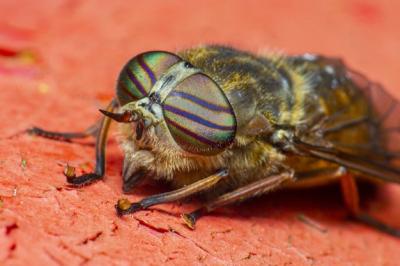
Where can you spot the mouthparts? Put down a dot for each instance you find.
(125, 117)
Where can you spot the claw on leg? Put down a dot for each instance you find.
(82, 180)
(191, 218)
(124, 207)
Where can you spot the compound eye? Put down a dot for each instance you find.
(141, 72)
(199, 116)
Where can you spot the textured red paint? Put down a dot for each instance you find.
(82, 46)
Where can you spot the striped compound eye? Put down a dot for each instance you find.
(141, 72)
(199, 116)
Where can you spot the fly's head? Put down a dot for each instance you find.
(174, 117)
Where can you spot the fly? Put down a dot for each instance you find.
(235, 125)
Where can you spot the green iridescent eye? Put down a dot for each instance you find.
(141, 72)
(199, 116)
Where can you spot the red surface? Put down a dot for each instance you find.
(58, 64)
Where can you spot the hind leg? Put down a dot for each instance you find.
(352, 202)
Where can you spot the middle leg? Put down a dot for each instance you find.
(251, 190)
(124, 207)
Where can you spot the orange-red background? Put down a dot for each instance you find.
(58, 64)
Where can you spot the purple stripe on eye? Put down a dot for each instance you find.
(126, 90)
(135, 81)
(147, 69)
(197, 119)
(201, 102)
(191, 134)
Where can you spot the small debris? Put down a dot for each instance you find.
(312, 223)
(214, 233)
(251, 254)
(23, 163)
(14, 193)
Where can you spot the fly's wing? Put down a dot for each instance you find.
(380, 157)
(383, 170)
(385, 115)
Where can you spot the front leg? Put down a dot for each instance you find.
(100, 129)
(101, 140)
(65, 136)
(124, 207)
(93, 130)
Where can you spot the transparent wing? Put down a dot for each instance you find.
(372, 141)
(384, 117)
(382, 170)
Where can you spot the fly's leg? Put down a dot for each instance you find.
(101, 132)
(124, 207)
(101, 139)
(91, 131)
(350, 193)
(251, 190)
(352, 202)
(66, 136)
